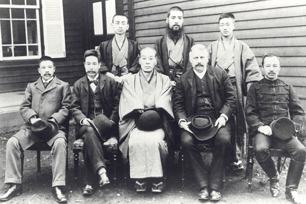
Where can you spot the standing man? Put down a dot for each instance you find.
(269, 100)
(173, 48)
(45, 107)
(205, 90)
(238, 60)
(95, 100)
(118, 54)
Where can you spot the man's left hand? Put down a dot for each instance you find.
(220, 122)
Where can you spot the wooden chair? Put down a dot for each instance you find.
(250, 160)
(108, 150)
(44, 147)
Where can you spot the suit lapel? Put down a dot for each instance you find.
(101, 83)
(39, 85)
(211, 83)
(85, 83)
(52, 85)
(191, 81)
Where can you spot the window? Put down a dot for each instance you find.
(20, 32)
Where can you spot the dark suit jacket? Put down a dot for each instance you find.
(220, 89)
(105, 49)
(110, 94)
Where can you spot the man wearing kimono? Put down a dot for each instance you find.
(238, 60)
(173, 48)
(119, 53)
(144, 134)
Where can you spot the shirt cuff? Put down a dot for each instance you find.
(224, 116)
(181, 120)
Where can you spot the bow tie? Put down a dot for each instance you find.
(94, 81)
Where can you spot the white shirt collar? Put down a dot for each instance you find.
(47, 80)
(96, 77)
(200, 75)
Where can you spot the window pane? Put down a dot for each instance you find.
(97, 18)
(19, 32)
(20, 51)
(4, 13)
(31, 13)
(31, 2)
(7, 51)
(110, 12)
(33, 50)
(18, 2)
(32, 34)
(17, 13)
(4, 1)
(6, 32)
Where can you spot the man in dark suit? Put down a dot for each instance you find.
(205, 90)
(94, 95)
(48, 98)
(119, 54)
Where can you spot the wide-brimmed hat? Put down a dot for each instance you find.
(283, 128)
(44, 130)
(149, 120)
(101, 124)
(203, 126)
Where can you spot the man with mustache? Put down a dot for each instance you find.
(119, 53)
(238, 60)
(268, 100)
(47, 99)
(95, 97)
(173, 48)
(205, 90)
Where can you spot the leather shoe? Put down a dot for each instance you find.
(215, 195)
(12, 191)
(203, 194)
(292, 195)
(88, 190)
(274, 185)
(59, 195)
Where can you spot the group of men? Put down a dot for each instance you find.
(150, 99)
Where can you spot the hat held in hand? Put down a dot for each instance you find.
(283, 128)
(203, 126)
(44, 130)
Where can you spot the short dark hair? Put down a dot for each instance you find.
(174, 8)
(226, 15)
(92, 52)
(127, 19)
(45, 58)
(268, 55)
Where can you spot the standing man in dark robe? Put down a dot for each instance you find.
(119, 54)
(174, 47)
(238, 60)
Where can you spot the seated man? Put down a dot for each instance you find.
(94, 106)
(44, 109)
(205, 90)
(144, 132)
(268, 100)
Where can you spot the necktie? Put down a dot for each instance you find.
(45, 84)
(94, 81)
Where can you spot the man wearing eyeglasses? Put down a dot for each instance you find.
(119, 53)
(173, 48)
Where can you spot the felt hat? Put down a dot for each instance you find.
(149, 120)
(44, 130)
(283, 128)
(101, 124)
(202, 126)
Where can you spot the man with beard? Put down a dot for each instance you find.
(203, 104)
(173, 48)
(238, 60)
(119, 53)
(45, 107)
(95, 100)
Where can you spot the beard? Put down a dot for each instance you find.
(175, 34)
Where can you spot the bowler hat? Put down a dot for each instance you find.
(203, 126)
(44, 130)
(149, 120)
(283, 128)
(101, 124)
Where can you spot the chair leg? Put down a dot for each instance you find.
(38, 161)
(279, 162)
(115, 168)
(76, 163)
(125, 169)
(183, 169)
(249, 171)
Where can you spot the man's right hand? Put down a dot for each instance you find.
(33, 120)
(185, 126)
(266, 130)
(85, 121)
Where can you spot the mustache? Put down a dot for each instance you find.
(199, 65)
(47, 74)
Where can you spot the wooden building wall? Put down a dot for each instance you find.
(15, 75)
(277, 26)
